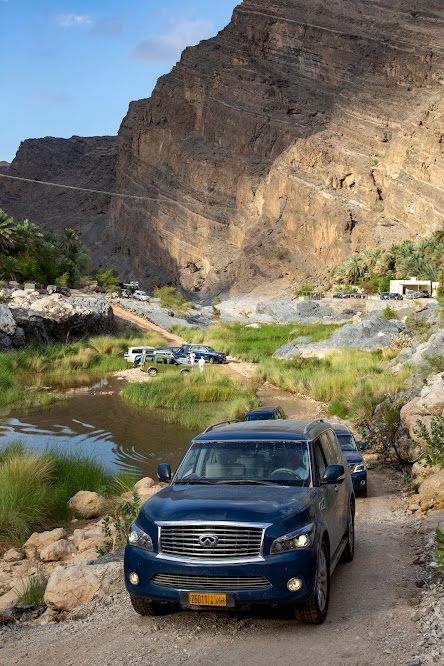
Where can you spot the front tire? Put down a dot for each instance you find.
(144, 607)
(315, 611)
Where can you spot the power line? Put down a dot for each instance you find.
(111, 194)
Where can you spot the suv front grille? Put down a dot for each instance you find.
(211, 541)
(211, 582)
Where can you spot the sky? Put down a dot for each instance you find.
(72, 67)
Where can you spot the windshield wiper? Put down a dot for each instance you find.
(250, 481)
(196, 481)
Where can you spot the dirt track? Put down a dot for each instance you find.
(369, 621)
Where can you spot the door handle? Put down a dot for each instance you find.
(336, 487)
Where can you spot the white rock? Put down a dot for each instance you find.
(13, 555)
(75, 585)
(39, 540)
(85, 503)
(60, 550)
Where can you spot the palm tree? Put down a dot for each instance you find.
(28, 234)
(7, 233)
(355, 268)
(69, 241)
(9, 269)
(438, 235)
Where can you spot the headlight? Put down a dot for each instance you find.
(359, 467)
(301, 539)
(137, 537)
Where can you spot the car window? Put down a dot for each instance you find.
(159, 359)
(329, 448)
(347, 442)
(137, 351)
(170, 361)
(319, 461)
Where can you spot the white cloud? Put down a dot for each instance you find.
(168, 46)
(68, 20)
(44, 97)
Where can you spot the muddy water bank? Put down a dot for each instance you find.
(95, 420)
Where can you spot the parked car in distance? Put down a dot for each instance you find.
(256, 513)
(384, 296)
(167, 351)
(203, 351)
(141, 295)
(396, 297)
(353, 455)
(125, 293)
(132, 352)
(51, 289)
(264, 413)
(424, 293)
(412, 294)
(160, 364)
(65, 291)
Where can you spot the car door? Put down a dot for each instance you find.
(333, 456)
(327, 504)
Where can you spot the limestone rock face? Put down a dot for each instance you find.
(430, 403)
(86, 504)
(302, 132)
(60, 550)
(78, 161)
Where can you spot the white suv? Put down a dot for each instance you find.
(141, 295)
(132, 352)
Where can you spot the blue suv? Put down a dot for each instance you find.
(353, 455)
(256, 513)
(202, 351)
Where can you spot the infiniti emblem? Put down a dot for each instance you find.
(208, 540)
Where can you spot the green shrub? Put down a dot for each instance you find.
(304, 288)
(389, 313)
(115, 527)
(439, 551)
(433, 451)
(172, 299)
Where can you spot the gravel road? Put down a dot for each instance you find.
(369, 622)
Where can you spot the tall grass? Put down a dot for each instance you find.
(351, 382)
(60, 363)
(253, 344)
(194, 401)
(35, 488)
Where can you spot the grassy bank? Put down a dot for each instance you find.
(60, 363)
(194, 401)
(350, 381)
(253, 344)
(35, 488)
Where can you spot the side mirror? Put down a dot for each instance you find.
(164, 472)
(362, 446)
(333, 474)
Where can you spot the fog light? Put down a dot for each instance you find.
(363, 483)
(294, 584)
(134, 578)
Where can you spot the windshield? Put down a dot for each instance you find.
(346, 442)
(281, 463)
(259, 416)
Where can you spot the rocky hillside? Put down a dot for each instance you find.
(302, 132)
(78, 162)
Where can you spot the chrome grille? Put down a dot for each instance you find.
(211, 582)
(231, 540)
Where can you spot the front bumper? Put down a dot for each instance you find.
(359, 480)
(277, 569)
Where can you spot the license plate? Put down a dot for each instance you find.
(207, 599)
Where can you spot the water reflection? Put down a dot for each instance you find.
(100, 423)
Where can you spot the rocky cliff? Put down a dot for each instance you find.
(303, 131)
(78, 162)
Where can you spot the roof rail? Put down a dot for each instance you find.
(309, 425)
(216, 425)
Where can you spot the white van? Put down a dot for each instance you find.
(132, 352)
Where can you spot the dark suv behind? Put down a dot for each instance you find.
(256, 513)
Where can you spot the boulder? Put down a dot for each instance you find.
(60, 550)
(429, 403)
(434, 483)
(86, 504)
(433, 347)
(144, 483)
(39, 540)
(75, 585)
(14, 555)
(91, 543)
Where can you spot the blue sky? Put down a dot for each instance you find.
(72, 67)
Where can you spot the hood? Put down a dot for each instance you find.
(246, 503)
(353, 456)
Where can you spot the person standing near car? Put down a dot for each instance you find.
(201, 363)
(192, 358)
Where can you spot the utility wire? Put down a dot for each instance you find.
(111, 194)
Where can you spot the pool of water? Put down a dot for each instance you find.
(95, 420)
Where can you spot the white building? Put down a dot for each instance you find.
(413, 284)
